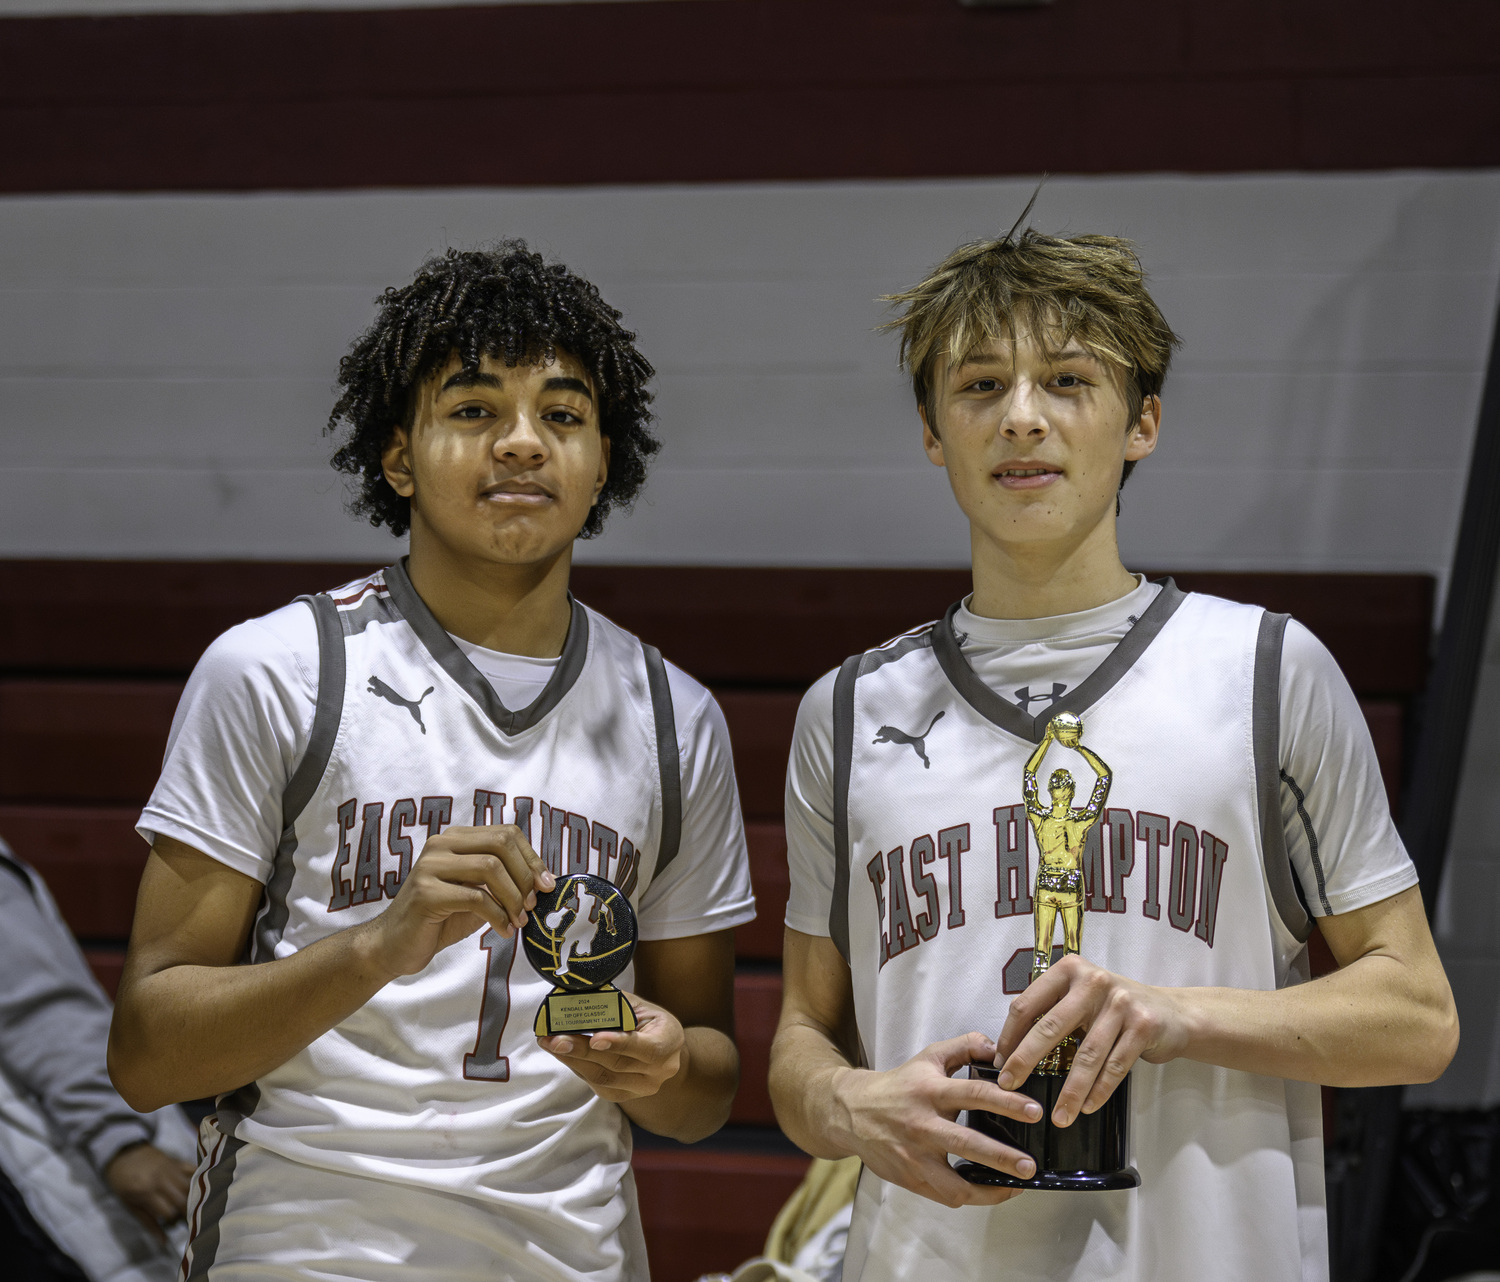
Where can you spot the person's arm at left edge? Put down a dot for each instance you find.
(54, 1025)
(676, 1075)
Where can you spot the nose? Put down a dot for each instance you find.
(1025, 414)
(522, 443)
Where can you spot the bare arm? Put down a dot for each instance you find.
(1385, 1016)
(676, 1075)
(902, 1123)
(192, 1022)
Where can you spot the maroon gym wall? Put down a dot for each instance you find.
(743, 90)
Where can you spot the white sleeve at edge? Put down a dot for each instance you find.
(809, 811)
(707, 887)
(1339, 832)
(239, 730)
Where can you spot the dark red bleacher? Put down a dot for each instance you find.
(709, 1209)
(761, 939)
(93, 656)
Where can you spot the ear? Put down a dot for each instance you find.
(931, 442)
(395, 462)
(1142, 437)
(603, 468)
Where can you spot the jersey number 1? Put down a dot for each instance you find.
(485, 1063)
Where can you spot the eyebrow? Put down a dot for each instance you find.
(1067, 354)
(478, 378)
(472, 378)
(560, 383)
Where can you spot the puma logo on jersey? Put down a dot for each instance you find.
(918, 742)
(1024, 697)
(413, 706)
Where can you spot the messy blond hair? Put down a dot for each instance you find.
(1052, 288)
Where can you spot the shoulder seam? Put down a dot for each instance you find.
(308, 677)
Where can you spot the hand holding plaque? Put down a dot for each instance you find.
(1091, 1153)
(580, 935)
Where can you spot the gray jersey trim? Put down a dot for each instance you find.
(233, 1107)
(205, 1245)
(1006, 715)
(1286, 893)
(843, 766)
(456, 663)
(891, 651)
(327, 715)
(668, 758)
(1311, 834)
(330, 710)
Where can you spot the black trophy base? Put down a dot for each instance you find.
(1090, 1156)
(597, 1010)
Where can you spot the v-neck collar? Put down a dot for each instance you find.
(456, 663)
(1006, 715)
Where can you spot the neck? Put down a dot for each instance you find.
(517, 609)
(1036, 580)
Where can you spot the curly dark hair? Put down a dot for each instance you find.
(505, 302)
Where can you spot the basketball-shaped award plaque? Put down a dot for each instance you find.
(580, 935)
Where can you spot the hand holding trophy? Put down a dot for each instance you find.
(580, 935)
(1091, 1153)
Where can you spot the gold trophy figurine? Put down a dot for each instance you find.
(1091, 1153)
(1061, 832)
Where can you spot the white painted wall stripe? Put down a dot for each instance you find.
(166, 362)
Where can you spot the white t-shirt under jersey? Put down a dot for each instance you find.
(235, 743)
(1339, 833)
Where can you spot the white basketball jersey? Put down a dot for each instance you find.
(1186, 883)
(438, 1081)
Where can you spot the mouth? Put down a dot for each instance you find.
(516, 493)
(1027, 478)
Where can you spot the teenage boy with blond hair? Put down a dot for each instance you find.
(1245, 801)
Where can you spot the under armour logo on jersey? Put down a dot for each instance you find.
(918, 742)
(413, 706)
(1025, 698)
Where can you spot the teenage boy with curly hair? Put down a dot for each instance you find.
(1241, 800)
(313, 819)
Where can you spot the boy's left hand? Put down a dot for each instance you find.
(1123, 1021)
(624, 1066)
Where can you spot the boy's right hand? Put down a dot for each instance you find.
(903, 1123)
(464, 879)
